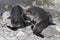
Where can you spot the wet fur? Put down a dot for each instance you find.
(44, 20)
(18, 17)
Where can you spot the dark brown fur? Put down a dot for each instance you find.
(44, 20)
(18, 17)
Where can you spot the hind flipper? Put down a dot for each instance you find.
(13, 28)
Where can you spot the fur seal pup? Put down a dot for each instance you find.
(42, 18)
(18, 18)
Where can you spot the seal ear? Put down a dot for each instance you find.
(9, 17)
(50, 23)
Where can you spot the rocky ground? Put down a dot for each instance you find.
(51, 33)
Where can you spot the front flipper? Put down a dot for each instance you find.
(39, 34)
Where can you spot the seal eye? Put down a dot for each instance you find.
(16, 21)
(13, 21)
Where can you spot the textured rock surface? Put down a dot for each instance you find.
(51, 33)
